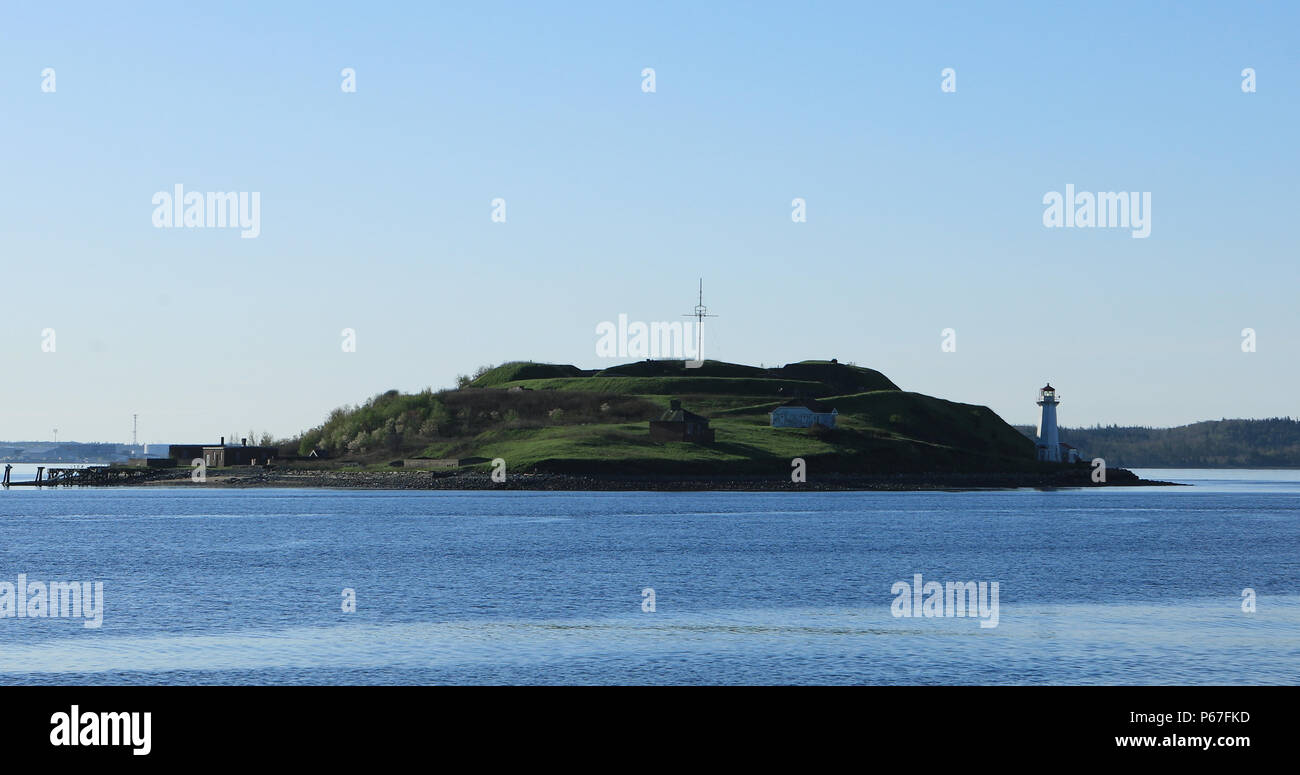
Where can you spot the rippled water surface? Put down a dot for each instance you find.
(1122, 585)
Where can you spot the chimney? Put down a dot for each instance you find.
(675, 404)
(243, 442)
(223, 441)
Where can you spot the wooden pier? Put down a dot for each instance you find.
(79, 477)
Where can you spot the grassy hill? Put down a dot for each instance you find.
(551, 417)
(517, 370)
(823, 377)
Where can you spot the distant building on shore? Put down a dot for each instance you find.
(677, 424)
(184, 454)
(803, 413)
(223, 454)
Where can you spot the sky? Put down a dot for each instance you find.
(924, 206)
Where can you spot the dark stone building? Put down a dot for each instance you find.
(677, 424)
(184, 454)
(224, 454)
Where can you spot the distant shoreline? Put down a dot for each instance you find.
(289, 478)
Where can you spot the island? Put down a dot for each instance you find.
(647, 425)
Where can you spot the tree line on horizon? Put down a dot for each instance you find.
(1268, 443)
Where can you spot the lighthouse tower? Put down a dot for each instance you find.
(1049, 443)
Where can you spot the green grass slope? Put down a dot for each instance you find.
(902, 414)
(568, 420)
(658, 368)
(517, 370)
(664, 377)
(663, 386)
(839, 378)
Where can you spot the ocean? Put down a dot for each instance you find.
(1119, 585)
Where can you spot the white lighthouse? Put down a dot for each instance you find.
(1049, 444)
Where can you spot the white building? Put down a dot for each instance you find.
(803, 413)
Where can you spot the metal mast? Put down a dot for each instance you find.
(701, 312)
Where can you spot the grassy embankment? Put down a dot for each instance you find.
(563, 419)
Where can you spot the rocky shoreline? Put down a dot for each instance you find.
(466, 480)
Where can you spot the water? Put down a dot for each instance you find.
(1121, 585)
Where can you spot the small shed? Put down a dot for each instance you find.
(677, 424)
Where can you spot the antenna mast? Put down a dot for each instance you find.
(701, 312)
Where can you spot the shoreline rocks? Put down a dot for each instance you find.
(440, 480)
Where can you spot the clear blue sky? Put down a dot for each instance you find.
(924, 208)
